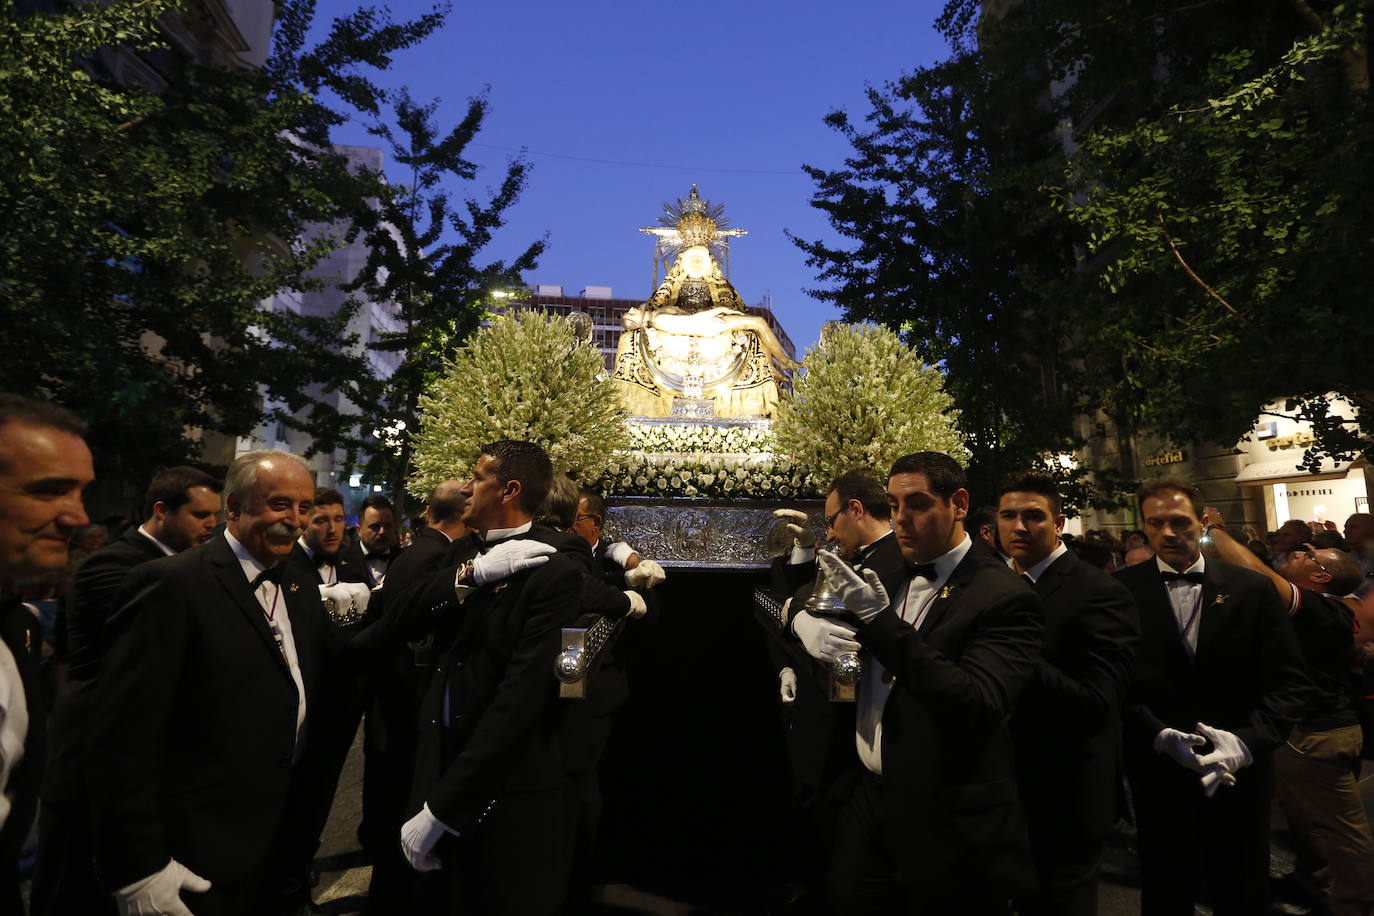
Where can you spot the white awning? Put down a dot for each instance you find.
(1285, 470)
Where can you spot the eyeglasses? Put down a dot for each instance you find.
(1310, 552)
(830, 519)
(581, 517)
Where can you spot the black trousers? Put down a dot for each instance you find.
(65, 881)
(862, 878)
(512, 863)
(1193, 847)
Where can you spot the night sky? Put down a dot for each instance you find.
(621, 106)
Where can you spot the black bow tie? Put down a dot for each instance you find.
(924, 570)
(1193, 577)
(269, 575)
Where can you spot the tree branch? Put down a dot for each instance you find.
(1178, 255)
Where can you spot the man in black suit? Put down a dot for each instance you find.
(44, 467)
(320, 549)
(489, 771)
(214, 657)
(933, 824)
(182, 508)
(335, 712)
(377, 546)
(820, 733)
(1068, 784)
(390, 738)
(1216, 686)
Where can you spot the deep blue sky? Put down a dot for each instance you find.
(730, 96)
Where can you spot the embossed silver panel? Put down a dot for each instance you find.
(707, 534)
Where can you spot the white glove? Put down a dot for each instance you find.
(620, 553)
(637, 606)
(1228, 755)
(159, 894)
(864, 595)
(797, 523)
(508, 558)
(1179, 745)
(351, 596)
(787, 685)
(824, 639)
(1214, 779)
(418, 836)
(647, 574)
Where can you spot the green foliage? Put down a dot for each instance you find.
(148, 218)
(862, 400)
(423, 257)
(526, 376)
(1156, 217)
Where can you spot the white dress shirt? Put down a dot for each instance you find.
(160, 546)
(14, 725)
(324, 567)
(1186, 599)
(269, 595)
(376, 564)
(873, 688)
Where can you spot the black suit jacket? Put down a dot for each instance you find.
(195, 728)
(346, 566)
(948, 774)
(1067, 724)
(94, 591)
(491, 717)
(21, 632)
(1247, 676)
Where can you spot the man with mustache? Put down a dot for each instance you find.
(1068, 785)
(44, 467)
(182, 510)
(319, 555)
(216, 655)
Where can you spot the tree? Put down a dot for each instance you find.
(949, 240)
(422, 256)
(1232, 221)
(525, 376)
(1117, 208)
(145, 224)
(862, 400)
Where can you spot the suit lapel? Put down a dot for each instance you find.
(229, 573)
(303, 607)
(1213, 614)
(945, 599)
(1056, 575)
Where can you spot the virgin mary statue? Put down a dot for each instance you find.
(692, 349)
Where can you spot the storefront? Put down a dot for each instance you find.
(1272, 478)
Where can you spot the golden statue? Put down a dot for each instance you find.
(692, 350)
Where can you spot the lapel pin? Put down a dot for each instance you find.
(1219, 599)
(500, 587)
(945, 592)
(292, 587)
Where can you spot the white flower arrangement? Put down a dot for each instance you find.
(699, 438)
(863, 400)
(524, 376)
(709, 477)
